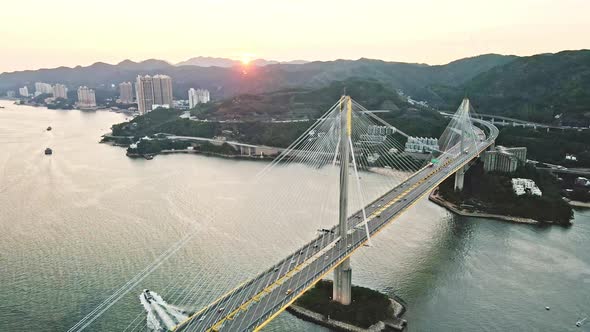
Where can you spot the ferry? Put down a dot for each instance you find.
(48, 151)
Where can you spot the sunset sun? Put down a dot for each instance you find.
(245, 58)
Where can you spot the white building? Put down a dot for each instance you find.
(24, 91)
(86, 97)
(60, 91)
(43, 88)
(126, 93)
(10, 94)
(198, 96)
(524, 186)
(421, 144)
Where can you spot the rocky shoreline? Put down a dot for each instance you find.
(437, 199)
(395, 323)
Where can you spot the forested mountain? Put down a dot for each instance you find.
(225, 82)
(536, 88)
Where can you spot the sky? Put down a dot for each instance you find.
(46, 34)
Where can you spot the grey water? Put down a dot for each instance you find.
(77, 225)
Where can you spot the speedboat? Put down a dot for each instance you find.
(48, 151)
(580, 322)
(147, 295)
(49, 128)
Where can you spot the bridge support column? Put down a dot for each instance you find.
(343, 283)
(343, 273)
(460, 178)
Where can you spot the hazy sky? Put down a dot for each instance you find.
(44, 34)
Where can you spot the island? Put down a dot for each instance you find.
(369, 310)
(492, 195)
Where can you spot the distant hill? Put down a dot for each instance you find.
(413, 79)
(535, 88)
(311, 103)
(204, 61)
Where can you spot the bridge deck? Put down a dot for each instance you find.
(251, 305)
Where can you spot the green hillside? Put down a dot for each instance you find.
(536, 88)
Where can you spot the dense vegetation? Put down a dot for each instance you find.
(367, 308)
(492, 193)
(550, 147)
(254, 112)
(164, 121)
(155, 146)
(535, 88)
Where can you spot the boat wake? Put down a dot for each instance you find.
(161, 316)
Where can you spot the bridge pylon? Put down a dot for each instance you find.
(342, 287)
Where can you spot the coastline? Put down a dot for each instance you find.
(437, 199)
(205, 153)
(579, 204)
(395, 323)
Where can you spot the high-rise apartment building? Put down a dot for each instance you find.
(86, 97)
(126, 93)
(60, 91)
(153, 92)
(162, 90)
(24, 91)
(144, 91)
(502, 159)
(198, 96)
(43, 88)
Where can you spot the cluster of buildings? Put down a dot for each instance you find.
(86, 97)
(153, 92)
(503, 159)
(525, 186)
(381, 130)
(57, 91)
(43, 88)
(198, 96)
(60, 91)
(421, 144)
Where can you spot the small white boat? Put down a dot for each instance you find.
(581, 322)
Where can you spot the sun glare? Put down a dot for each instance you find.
(246, 58)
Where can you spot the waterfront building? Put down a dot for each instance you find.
(86, 97)
(381, 130)
(144, 93)
(153, 92)
(421, 144)
(503, 159)
(43, 88)
(126, 93)
(525, 186)
(162, 86)
(24, 91)
(198, 96)
(60, 91)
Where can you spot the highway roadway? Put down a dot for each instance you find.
(254, 303)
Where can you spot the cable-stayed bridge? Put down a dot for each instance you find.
(346, 142)
(253, 304)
